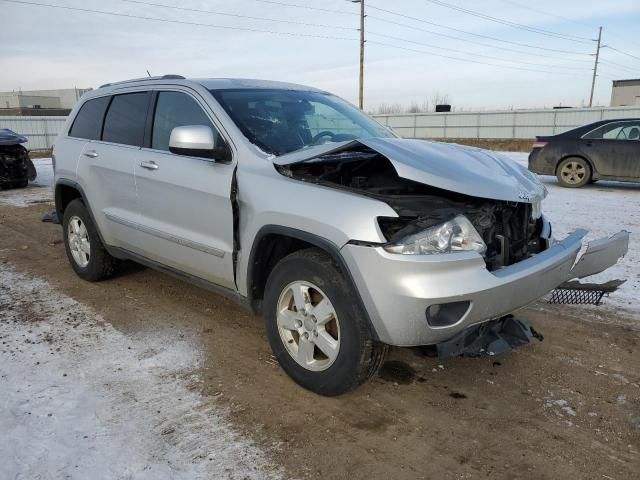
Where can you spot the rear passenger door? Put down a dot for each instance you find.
(186, 220)
(106, 168)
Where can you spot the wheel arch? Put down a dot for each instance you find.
(65, 192)
(274, 242)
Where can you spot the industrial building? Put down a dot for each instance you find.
(40, 102)
(625, 93)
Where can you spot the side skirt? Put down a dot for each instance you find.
(122, 254)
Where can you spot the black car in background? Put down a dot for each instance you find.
(607, 150)
(16, 168)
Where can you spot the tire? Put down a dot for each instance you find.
(99, 264)
(356, 355)
(573, 172)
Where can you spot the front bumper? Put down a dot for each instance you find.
(397, 289)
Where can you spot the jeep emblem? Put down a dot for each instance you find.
(522, 195)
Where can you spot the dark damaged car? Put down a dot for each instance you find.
(16, 168)
(345, 238)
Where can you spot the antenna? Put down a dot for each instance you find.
(148, 74)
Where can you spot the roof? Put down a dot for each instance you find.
(216, 83)
(632, 81)
(581, 130)
(237, 83)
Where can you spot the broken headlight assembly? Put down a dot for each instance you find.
(457, 234)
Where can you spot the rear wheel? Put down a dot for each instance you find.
(88, 257)
(319, 335)
(573, 172)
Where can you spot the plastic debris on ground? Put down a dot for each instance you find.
(491, 338)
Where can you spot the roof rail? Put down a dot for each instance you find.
(163, 77)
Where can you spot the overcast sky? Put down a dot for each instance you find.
(42, 47)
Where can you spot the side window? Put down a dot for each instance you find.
(175, 109)
(125, 119)
(89, 119)
(631, 132)
(615, 131)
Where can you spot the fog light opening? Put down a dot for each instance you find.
(446, 314)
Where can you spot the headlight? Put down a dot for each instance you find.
(457, 234)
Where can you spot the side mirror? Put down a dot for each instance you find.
(198, 141)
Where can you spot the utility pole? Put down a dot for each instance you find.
(595, 67)
(361, 83)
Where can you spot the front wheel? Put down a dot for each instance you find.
(573, 172)
(319, 335)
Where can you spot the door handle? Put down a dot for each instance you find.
(91, 154)
(149, 165)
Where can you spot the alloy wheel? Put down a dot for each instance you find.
(573, 172)
(308, 325)
(79, 244)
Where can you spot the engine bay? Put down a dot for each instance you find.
(507, 228)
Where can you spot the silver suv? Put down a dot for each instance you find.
(344, 237)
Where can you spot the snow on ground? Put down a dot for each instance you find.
(38, 191)
(78, 399)
(603, 208)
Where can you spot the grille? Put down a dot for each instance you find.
(576, 293)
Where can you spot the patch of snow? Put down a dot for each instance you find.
(604, 208)
(79, 399)
(38, 191)
(562, 404)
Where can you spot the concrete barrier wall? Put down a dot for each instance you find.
(41, 131)
(509, 124)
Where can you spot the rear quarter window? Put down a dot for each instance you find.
(125, 119)
(88, 121)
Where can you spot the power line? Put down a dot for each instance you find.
(237, 15)
(422, 20)
(619, 66)
(475, 42)
(509, 23)
(391, 37)
(180, 22)
(527, 7)
(318, 9)
(467, 60)
(563, 18)
(620, 51)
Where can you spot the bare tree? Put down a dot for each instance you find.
(386, 108)
(440, 99)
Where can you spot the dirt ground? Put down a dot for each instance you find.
(567, 407)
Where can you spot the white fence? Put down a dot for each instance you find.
(41, 131)
(525, 124)
(509, 124)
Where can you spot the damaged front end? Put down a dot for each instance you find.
(16, 168)
(508, 231)
(469, 243)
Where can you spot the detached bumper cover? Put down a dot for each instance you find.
(397, 289)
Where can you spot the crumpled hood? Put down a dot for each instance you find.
(457, 168)
(9, 137)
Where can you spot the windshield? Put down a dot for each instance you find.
(282, 121)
